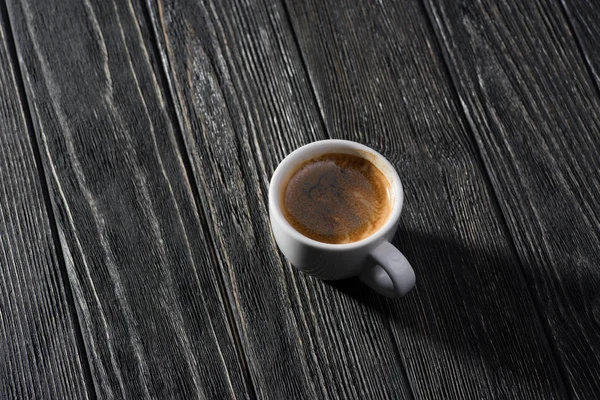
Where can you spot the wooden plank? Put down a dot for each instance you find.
(583, 16)
(470, 329)
(39, 355)
(535, 111)
(143, 272)
(244, 102)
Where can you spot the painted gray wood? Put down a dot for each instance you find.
(154, 317)
(470, 329)
(39, 353)
(244, 101)
(582, 16)
(141, 199)
(533, 106)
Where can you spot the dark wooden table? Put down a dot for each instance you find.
(136, 145)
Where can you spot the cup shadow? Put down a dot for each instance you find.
(474, 302)
(428, 254)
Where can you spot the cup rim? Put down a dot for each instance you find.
(288, 162)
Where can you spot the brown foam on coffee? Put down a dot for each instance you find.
(337, 198)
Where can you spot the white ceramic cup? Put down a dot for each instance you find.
(373, 259)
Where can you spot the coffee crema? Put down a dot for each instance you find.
(337, 198)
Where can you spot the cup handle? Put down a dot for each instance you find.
(391, 275)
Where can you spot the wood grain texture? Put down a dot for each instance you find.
(584, 16)
(39, 356)
(470, 328)
(534, 110)
(244, 102)
(142, 270)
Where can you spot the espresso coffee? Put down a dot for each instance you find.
(337, 198)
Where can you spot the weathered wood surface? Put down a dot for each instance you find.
(534, 108)
(244, 101)
(470, 329)
(140, 186)
(153, 315)
(583, 17)
(39, 352)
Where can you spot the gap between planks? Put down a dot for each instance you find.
(496, 201)
(181, 147)
(313, 91)
(62, 266)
